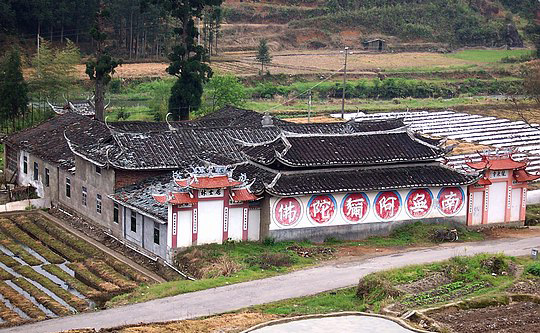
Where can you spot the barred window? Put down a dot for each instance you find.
(84, 196)
(98, 203)
(133, 221)
(68, 187)
(116, 213)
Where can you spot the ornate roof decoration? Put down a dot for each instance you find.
(180, 190)
(498, 160)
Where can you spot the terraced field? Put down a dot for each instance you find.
(46, 272)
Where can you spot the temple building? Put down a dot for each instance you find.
(238, 175)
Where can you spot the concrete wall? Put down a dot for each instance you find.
(143, 237)
(85, 175)
(48, 192)
(352, 231)
(338, 226)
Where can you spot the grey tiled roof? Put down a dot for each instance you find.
(367, 179)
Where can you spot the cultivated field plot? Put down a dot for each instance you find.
(46, 272)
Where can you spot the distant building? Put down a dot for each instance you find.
(374, 45)
(236, 174)
(81, 107)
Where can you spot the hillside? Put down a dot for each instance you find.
(405, 24)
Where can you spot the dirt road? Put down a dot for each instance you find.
(296, 284)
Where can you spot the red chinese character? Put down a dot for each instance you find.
(450, 200)
(419, 203)
(355, 207)
(287, 211)
(387, 205)
(322, 208)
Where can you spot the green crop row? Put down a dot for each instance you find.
(82, 273)
(9, 316)
(106, 272)
(10, 228)
(42, 297)
(74, 301)
(8, 261)
(72, 240)
(4, 275)
(50, 241)
(21, 302)
(73, 282)
(18, 251)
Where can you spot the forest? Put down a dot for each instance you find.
(141, 30)
(138, 30)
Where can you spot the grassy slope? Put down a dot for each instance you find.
(465, 269)
(247, 254)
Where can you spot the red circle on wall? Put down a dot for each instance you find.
(355, 207)
(321, 208)
(287, 211)
(450, 200)
(419, 203)
(387, 205)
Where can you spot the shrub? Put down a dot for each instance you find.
(374, 288)
(269, 241)
(224, 266)
(270, 260)
(534, 269)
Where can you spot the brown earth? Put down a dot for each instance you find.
(526, 286)
(297, 62)
(465, 147)
(513, 318)
(229, 323)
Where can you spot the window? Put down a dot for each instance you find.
(98, 170)
(84, 196)
(47, 183)
(98, 203)
(25, 164)
(36, 170)
(156, 233)
(133, 221)
(68, 188)
(116, 212)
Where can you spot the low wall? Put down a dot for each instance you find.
(23, 204)
(353, 231)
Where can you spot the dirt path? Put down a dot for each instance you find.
(296, 284)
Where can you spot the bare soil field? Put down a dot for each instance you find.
(512, 318)
(301, 62)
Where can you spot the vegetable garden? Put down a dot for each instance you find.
(46, 271)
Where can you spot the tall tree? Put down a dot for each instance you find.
(103, 65)
(263, 54)
(223, 90)
(187, 58)
(13, 89)
(54, 70)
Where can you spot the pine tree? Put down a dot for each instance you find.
(103, 65)
(187, 58)
(263, 54)
(13, 89)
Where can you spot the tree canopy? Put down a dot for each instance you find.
(187, 58)
(13, 88)
(263, 54)
(54, 73)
